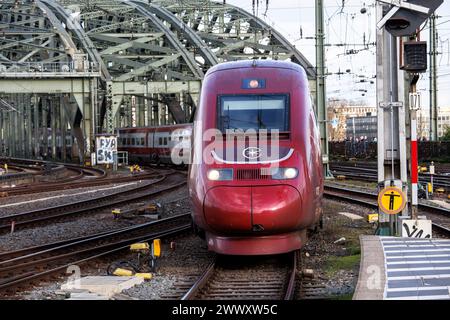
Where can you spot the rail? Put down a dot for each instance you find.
(43, 261)
(224, 279)
(367, 199)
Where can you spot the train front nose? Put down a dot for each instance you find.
(253, 210)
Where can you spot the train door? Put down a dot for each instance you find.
(150, 141)
(152, 149)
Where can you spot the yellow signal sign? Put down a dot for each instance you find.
(391, 200)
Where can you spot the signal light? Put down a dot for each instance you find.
(397, 25)
(415, 56)
(407, 16)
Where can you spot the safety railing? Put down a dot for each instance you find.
(48, 67)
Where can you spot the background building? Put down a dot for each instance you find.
(443, 120)
(423, 130)
(362, 127)
(339, 114)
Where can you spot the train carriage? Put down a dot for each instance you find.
(163, 144)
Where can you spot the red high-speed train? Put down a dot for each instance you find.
(252, 195)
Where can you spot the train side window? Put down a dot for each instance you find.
(160, 141)
(180, 139)
(128, 141)
(133, 141)
(142, 141)
(165, 141)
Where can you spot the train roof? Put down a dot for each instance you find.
(180, 125)
(258, 64)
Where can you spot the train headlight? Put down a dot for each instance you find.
(284, 173)
(220, 174)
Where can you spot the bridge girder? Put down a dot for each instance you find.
(113, 43)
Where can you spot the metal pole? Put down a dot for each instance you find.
(29, 138)
(432, 173)
(2, 137)
(433, 79)
(45, 125)
(53, 125)
(20, 128)
(15, 128)
(11, 142)
(391, 124)
(37, 140)
(414, 156)
(63, 126)
(321, 86)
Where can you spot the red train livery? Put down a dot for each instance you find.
(246, 201)
(164, 144)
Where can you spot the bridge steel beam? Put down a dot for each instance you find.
(90, 58)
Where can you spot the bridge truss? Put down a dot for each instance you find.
(72, 69)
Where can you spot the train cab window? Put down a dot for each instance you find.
(256, 112)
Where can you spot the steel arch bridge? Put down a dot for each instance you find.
(72, 69)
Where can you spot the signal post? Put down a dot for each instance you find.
(398, 18)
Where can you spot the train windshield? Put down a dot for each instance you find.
(256, 112)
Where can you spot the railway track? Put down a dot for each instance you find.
(162, 184)
(247, 278)
(68, 184)
(82, 177)
(21, 267)
(440, 167)
(368, 173)
(22, 168)
(96, 176)
(369, 199)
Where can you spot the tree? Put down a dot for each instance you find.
(446, 136)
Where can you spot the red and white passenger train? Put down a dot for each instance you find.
(252, 195)
(163, 144)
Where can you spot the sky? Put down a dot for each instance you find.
(350, 37)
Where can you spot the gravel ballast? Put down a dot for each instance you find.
(184, 258)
